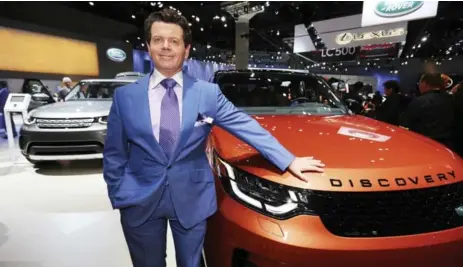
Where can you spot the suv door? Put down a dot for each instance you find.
(35, 86)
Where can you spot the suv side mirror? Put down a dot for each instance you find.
(40, 97)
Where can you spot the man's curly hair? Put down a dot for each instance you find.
(168, 16)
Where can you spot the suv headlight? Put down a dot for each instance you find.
(103, 120)
(269, 198)
(29, 120)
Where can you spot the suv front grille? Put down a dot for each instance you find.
(64, 123)
(392, 213)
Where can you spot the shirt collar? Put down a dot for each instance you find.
(156, 78)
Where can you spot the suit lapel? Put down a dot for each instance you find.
(144, 115)
(189, 113)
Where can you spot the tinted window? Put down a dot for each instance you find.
(94, 90)
(279, 93)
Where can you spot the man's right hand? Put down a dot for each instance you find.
(306, 164)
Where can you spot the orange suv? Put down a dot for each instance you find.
(388, 197)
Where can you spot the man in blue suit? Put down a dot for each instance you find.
(155, 163)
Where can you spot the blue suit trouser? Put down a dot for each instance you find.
(147, 243)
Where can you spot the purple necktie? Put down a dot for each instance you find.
(170, 118)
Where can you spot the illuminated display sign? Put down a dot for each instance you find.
(350, 37)
(383, 12)
(390, 33)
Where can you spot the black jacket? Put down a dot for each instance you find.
(389, 111)
(458, 103)
(433, 115)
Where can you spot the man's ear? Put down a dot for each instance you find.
(148, 48)
(187, 51)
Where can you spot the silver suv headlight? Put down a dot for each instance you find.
(30, 120)
(103, 120)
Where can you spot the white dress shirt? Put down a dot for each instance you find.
(156, 93)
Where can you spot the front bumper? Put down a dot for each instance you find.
(50, 145)
(238, 236)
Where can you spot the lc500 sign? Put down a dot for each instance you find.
(338, 52)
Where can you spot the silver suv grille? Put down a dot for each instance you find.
(64, 123)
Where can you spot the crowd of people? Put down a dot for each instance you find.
(432, 110)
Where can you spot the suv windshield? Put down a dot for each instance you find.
(94, 90)
(280, 93)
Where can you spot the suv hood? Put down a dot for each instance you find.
(360, 154)
(74, 109)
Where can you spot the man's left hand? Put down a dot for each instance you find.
(300, 165)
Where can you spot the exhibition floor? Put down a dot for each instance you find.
(58, 216)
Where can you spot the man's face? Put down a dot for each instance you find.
(67, 84)
(423, 87)
(167, 48)
(387, 91)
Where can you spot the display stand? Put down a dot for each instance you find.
(16, 103)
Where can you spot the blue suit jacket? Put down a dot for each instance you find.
(136, 169)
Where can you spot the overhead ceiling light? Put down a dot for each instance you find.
(396, 71)
(189, 24)
(153, 3)
(133, 16)
(223, 18)
(267, 3)
(138, 38)
(278, 32)
(197, 19)
(194, 48)
(450, 58)
(127, 41)
(91, 3)
(424, 39)
(160, 4)
(202, 29)
(225, 25)
(142, 44)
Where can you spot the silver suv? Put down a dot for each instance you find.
(71, 130)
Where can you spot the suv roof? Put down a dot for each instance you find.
(270, 71)
(106, 80)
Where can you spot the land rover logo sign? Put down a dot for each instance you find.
(459, 211)
(116, 54)
(390, 9)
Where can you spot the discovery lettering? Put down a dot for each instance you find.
(399, 181)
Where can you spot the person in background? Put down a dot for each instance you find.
(430, 67)
(432, 113)
(457, 94)
(83, 93)
(65, 89)
(389, 111)
(4, 92)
